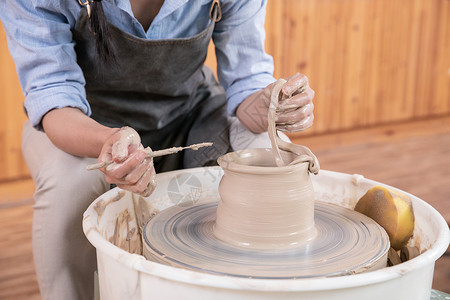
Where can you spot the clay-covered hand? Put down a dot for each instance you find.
(294, 113)
(130, 169)
(295, 108)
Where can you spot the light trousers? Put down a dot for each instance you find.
(65, 261)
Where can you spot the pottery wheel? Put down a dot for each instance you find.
(347, 242)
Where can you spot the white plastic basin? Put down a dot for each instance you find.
(123, 275)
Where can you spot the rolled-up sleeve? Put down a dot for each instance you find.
(41, 44)
(243, 66)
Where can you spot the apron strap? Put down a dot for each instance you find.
(215, 13)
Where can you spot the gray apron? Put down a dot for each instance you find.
(161, 89)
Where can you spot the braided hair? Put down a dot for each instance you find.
(99, 28)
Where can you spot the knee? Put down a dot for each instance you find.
(68, 183)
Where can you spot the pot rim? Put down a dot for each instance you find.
(227, 163)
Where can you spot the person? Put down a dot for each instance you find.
(104, 79)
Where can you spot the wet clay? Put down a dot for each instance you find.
(272, 131)
(267, 199)
(128, 136)
(303, 153)
(101, 205)
(264, 206)
(346, 243)
(129, 224)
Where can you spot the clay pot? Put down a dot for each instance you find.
(264, 206)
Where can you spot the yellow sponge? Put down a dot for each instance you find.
(392, 210)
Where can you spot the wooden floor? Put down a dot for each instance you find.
(414, 157)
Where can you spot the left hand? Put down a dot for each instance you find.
(294, 113)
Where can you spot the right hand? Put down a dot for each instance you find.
(130, 169)
(294, 113)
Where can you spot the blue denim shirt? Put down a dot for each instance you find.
(39, 34)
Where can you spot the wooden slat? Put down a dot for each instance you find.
(274, 34)
(441, 101)
(370, 62)
(12, 117)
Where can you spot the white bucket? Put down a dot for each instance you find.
(123, 275)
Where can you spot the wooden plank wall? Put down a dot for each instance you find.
(12, 116)
(370, 62)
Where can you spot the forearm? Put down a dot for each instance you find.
(73, 132)
(243, 67)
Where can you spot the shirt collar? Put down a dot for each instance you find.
(168, 7)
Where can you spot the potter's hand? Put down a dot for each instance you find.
(130, 169)
(294, 113)
(295, 108)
